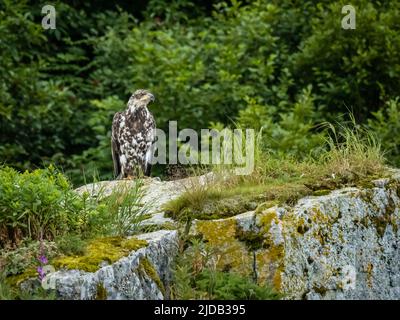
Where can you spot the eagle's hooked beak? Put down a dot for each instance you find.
(147, 98)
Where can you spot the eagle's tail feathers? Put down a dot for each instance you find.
(115, 157)
(147, 170)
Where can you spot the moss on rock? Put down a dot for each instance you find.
(146, 267)
(266, 205)
(109, 250)
(217, 208)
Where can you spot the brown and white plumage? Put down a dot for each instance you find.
(133, 137)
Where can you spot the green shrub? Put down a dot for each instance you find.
(349, 69)
(40, 204)
(293, 133)
(71, 244)
(385, 124)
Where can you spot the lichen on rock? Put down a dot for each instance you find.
(220, 235)
(344, 244)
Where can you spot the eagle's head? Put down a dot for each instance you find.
(140, 98)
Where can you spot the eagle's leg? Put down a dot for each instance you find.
(132, 173)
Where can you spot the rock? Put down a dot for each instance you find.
(156, 193)
(344, 245)
(340, 245)
(221, 236)
(144, 274)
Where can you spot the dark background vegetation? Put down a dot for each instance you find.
(285, 66)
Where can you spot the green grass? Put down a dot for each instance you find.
(354, 153)
(126, 209)
(217, 202)
(352, 157)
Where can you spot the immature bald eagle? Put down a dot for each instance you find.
(132, 137)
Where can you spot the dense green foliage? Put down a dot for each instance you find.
(285, 66)
(38, 204)
(42, 205)
(42, 217)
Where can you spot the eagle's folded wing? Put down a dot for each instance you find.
(150, 145)
(115, 146)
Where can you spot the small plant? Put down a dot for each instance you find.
(230, 286)
(71, 244)
(26, 256)
(196, 277)
(126, 209)
(39, 204)
(193, 258)
(42, 259)
(182, 287)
